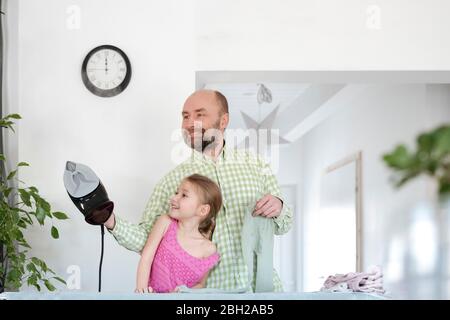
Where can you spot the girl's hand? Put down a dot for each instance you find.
(144, 290)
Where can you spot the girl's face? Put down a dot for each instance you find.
(185, 203)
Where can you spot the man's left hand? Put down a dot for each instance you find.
(268, 206)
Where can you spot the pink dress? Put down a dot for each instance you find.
(173, 266)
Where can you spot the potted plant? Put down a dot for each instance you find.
(431, 157)
(21, 207)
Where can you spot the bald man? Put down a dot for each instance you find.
(245, 181)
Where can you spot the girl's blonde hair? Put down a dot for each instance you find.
(209, 194)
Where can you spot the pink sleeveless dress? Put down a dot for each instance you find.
(173, 266)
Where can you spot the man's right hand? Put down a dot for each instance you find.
(111, 222)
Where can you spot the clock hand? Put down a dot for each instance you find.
(106, 65)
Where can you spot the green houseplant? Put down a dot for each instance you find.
(16, 215)
(431, 157)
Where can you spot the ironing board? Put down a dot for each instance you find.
(79, 295)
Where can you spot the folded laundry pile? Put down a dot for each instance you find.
(369, 282)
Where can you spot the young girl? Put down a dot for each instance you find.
(179, 250)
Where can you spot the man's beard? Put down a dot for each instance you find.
(207, 141)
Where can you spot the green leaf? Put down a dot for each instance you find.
(443, 142)
(36, 198)
(14, 216)
(60, 215)
(399, 159)
(60, 279)
(33, 189)
(22, 224)
(7, 192)
(444, 188)
(2, 157)
(25, 244)
(425, 142)
(23, 164)
(28, 217)
(22, 257)
(11, 174)
(14, 116)
(46, 206)
(14, 274)
(41, 202)
(32, 280)
(31, 268)
(55, 233)
(25, 196)
(26, 220)
(40, 215)
(49, 286)
(18, 234)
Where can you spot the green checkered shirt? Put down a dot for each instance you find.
(243, 179)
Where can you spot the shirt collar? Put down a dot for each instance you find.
(200, 156)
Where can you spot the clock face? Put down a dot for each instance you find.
(106, 71)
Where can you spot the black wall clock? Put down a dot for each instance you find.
(106, 71)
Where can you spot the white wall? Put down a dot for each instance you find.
(322, 35)
(374, 120)
(126, 139)
(10, 76)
